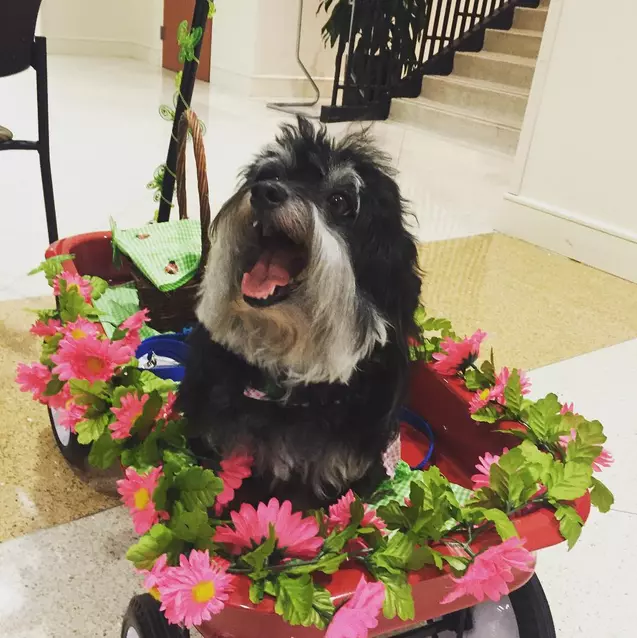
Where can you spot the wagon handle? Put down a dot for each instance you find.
(190, 121)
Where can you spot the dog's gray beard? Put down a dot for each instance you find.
(318, 335)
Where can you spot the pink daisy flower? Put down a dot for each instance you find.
(234, 470)
(496, 393)
(296, 536)
(127, 415)
(567, 408)
(490, 572)
(457, 356)
(195, 590)
(153, 576)
(80, 329)
(167, 411)
(133, 325)
(48, 329)
(484, 469)
(136, 491)
(360, 613)
(340, 514)
(61, 400)
(34, 379)
(71, 415)
(483, 397)
(73, 282)
(90, 359)
(605, 458)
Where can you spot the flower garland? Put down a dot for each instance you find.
(193, 545)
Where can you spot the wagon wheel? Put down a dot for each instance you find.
(75, 453)
(144, 620)
(524, 613)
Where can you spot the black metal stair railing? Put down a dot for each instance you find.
(385, 47)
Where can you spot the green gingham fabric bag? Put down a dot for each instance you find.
(167, 254)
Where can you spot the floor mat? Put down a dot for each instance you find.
(537, 307)
(37, 487)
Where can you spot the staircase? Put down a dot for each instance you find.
(484, 99)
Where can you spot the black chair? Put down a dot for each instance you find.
(19, 50)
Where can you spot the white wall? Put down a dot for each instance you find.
(123, 28)
(254, 47)
(574, 185)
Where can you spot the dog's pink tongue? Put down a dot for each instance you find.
(270, 271)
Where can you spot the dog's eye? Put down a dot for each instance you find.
(339, 203)
(268, 174)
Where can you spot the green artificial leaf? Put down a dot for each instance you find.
(475, 380)
(199, 487)
(513, 393)
(398, 597)
(514, 478)
(175, 462)
(545, 420)
(258, 558)
(98, 286)
(104, 451)
(601, 497)
(322, 608)
(503, 524)
(488, 370)
(257, 591)
(87, 393)
(566, 482)
(54, 386)
(160, 494)
(328, 564)
(159, 540)
(394, 516)
(570, 524)
(50, 347)
(294, 599)
(172, 433)
(151, 382)
(458, 564)
(119, 393)
(91, 430)
(52, 266)
(422, 556)
(72, 306)
(578, 452)
(190, 526)
(590, 432)
(337, 540)
(395, 557)
(130, 376)
(420, 316)
(488, 414)
(151, 409)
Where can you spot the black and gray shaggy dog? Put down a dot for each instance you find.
(300, 354)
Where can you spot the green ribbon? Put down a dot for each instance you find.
(187, 41)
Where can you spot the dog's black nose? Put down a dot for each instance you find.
(268, 195)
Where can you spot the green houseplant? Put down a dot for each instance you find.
(386, 35)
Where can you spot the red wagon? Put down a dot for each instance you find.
(459, 441)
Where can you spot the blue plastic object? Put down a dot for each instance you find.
(173, 346)
(417, 422)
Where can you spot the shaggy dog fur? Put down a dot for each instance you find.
(310, 291)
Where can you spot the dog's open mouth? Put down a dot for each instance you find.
(273, 275)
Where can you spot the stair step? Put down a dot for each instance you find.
(491, 100)
(512, 70)
(455, 122)
(530, 19)
(520, 42)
